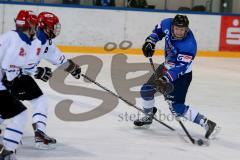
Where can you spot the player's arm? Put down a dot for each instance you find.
(57, 58)
(8, 67)
(5, 41)
(72, 68)
(54, 55)
(150, 42)
(157, 33)
(8, 64)
(32, 69)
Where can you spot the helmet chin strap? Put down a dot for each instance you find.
(50, 41)
(49, 35)
(32, 33)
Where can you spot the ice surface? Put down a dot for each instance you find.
(215, 92)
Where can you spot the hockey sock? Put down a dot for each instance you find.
(148, 105)
(14, 131)
(194, 116)
(40, 112)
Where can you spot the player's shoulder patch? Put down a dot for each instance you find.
(184, 58)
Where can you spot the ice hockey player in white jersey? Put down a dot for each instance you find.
(14, 49)
(25, 87)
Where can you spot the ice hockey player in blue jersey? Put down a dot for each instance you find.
(180, 51)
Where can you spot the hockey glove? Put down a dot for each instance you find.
(148, 47)
(74, 69)
(76, 73)
(43, 73)
(163, 85)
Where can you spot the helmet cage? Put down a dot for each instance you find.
(54, 31)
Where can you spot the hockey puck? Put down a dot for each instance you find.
(200, 142)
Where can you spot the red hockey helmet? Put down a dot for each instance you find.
(26, 20)
(49, 22)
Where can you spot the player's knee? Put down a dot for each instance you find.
(40, 104)
(25, 116)
(147, 92)
(39, 99)
(178, 109)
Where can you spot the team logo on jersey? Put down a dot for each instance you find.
(12, 66)
(62, 58)
(184, 58)
(22, 52)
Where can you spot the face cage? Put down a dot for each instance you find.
(57, 29)
(55, 32)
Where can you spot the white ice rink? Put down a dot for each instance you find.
(214, 91)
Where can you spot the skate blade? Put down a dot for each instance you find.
(216, 131)
(43, 146)
(146, 126)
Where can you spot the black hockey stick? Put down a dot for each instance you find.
(199, 142)
(151, 62)
(124, 100)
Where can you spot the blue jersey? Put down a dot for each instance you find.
(179, 54)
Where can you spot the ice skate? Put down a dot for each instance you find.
(145, 121)
(42, 141)
(6, 154)
(211, 129)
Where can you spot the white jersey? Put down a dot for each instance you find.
(14, 49)
(46, 50)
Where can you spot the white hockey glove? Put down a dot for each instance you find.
(43, 73)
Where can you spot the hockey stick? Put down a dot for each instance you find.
(151, 62)
(199, 142)
(124, 100)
